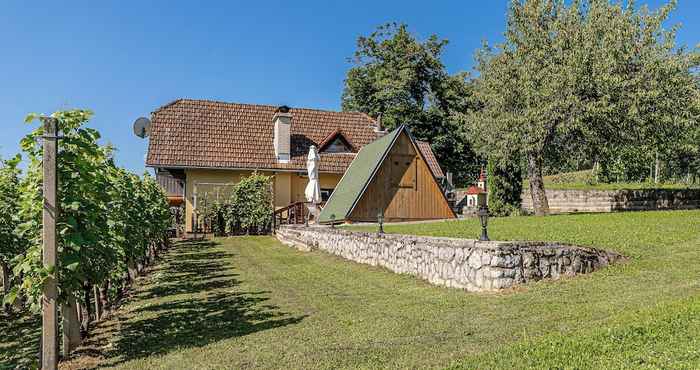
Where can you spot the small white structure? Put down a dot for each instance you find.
(481, 182)
(313, 188)
(477, 195)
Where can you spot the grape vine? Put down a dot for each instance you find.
(111, 223)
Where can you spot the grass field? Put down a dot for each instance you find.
(584, 180)
(251, 302)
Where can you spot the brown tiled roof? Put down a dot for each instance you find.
(208, 134)
(424, 147)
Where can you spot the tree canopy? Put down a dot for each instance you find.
(403, 80)
(583, 79)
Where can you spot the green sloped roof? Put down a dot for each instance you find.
(356, 177)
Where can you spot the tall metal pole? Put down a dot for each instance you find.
(49, 334)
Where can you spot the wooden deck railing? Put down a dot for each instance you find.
(293, 214)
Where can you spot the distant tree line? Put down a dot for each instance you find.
(591, 84)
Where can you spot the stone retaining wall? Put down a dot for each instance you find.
(573, 201)
(457, 263)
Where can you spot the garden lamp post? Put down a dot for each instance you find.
(332, 217)
(483, 214)
(380, 221)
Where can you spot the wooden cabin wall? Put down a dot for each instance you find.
(404, 187)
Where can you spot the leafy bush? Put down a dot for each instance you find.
(247, 211)
(505, 186)
(215, 216)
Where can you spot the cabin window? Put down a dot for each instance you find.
(404, 171)
(408, 180)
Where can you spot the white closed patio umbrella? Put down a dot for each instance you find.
(313, 188)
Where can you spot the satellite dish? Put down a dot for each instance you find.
(142, 127)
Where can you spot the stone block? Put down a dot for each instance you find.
(459, 256)
(447, 253)
(475, 260)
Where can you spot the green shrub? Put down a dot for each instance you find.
(504, 186)
(249, 209)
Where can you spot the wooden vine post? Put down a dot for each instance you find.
(49, 333)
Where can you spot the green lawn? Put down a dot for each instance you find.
(583, 180)
(614, 186)
(251, 302)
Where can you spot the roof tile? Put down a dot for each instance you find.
(424, 147)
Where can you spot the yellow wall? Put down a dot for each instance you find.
(289, 186)
(283, 189)
(327, 181)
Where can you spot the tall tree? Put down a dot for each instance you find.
(403, 80)
(599, 73)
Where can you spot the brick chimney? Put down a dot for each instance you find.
(283, 125)
(380, 127)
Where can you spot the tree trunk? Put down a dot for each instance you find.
(133, 272)
(119, 288)
(79, 310)
(5, 283)
(656, 169)
(87, 292)
(594, 171)
(539, 197)
(104, 299)
(98, 302)
(71, 327)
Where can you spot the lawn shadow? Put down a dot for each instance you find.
(192, 299)
(20, 333)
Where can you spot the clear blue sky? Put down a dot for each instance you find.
(125, 59)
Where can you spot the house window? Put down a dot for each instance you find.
(338, 145)
(325, 194)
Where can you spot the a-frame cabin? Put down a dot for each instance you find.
(389, 175)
